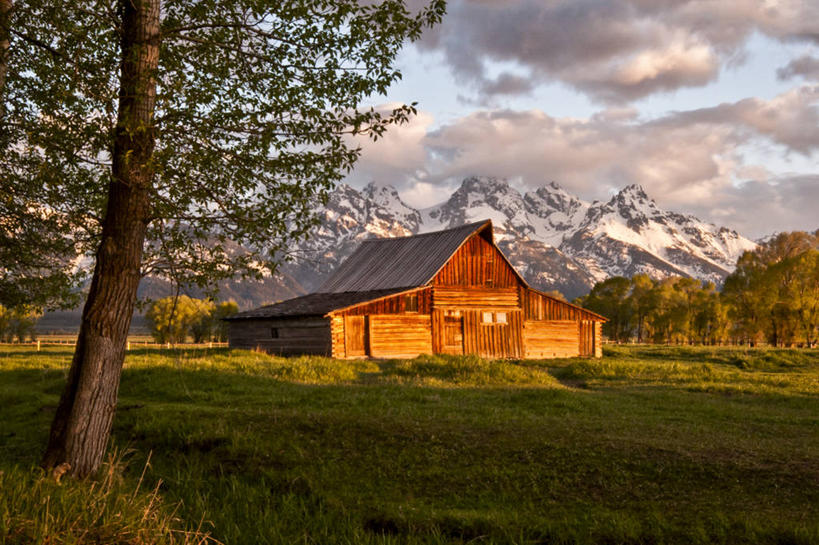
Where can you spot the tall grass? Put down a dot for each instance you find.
(38, 508)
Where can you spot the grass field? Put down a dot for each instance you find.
(647, 445)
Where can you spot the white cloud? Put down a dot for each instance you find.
(615, 51)
(690, 161)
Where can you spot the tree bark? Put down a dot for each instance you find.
(82, 425)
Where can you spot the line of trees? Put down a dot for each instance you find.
(19, 323)
(772, 296)
(175, 319)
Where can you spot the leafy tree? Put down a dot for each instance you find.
(770, 292)
(798, 303)
(709, 319)
(5, 321)
(749, 297)
(662, 316)
(642, 303)
(173, 319)
(610, 298)
(203, 324)
(222, 311)
(19, 322)
(187, 138)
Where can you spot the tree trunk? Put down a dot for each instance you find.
(82, 425)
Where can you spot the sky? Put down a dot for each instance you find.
(711, 106)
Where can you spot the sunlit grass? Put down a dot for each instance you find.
(647, 445)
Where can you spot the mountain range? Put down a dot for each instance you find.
(556, 240)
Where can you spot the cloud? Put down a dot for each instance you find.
(790, 119)
(761, 207)
(694, 161)
(615, 51)
(396, 156)
(805, 66)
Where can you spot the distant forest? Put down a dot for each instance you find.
(772, 297)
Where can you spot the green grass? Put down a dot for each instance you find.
(648, 445)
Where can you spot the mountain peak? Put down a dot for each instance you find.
(378, 187)
(635, 191)
(485, 183)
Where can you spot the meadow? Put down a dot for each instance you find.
(647, 445)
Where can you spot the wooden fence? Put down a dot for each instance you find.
(131, 344)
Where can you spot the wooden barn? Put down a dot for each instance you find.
(447, 292)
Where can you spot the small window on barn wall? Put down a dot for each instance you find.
(486, 317)
(274, 332)
(411, 302)
(500, 317)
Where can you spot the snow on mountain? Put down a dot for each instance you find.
(481, 198)
(617, 237)
(556, 240)
(554, 213)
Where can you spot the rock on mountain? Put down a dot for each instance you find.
(556, 240)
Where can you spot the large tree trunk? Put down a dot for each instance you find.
(82, 425)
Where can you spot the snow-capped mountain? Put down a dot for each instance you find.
(556, 240)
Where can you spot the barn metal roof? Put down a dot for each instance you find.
(313, 304)
(404, 262)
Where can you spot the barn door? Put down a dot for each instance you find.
(453, 334)
(356, 339)
(587, 347)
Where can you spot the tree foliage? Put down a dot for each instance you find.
(774, 292)
(772, 296)
(670, 310)
(18, 323)
(256, 105)
(175, 319)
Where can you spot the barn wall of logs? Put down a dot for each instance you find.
(477, 263)
(286, 336)
(551, 338)
(400, 336)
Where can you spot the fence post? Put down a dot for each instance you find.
(38, 345)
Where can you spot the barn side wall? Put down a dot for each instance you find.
(400, 336)
(551, 338)
(282, 336)
(493, 340)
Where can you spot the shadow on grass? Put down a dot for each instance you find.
(413, 449)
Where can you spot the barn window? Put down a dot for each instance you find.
(486, 317)
(274, 332)
(411, 302)
(500, 317)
